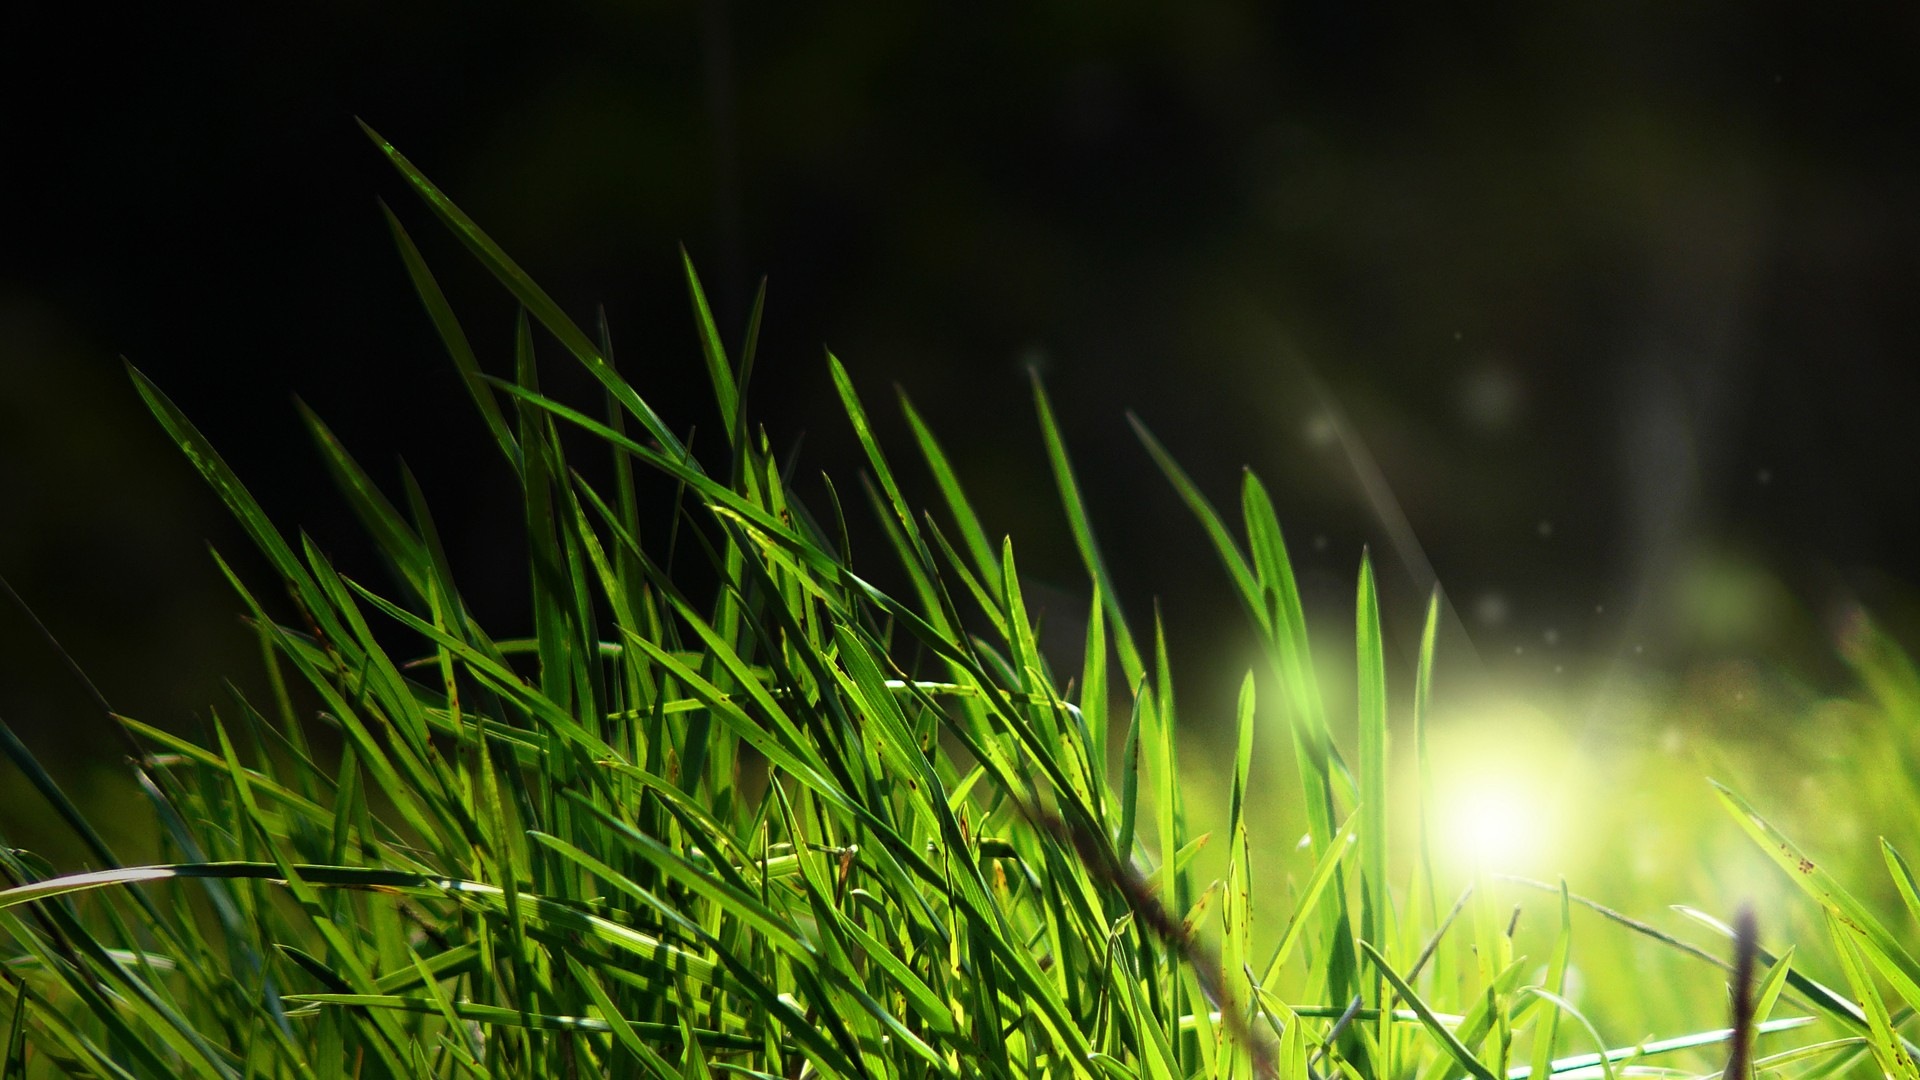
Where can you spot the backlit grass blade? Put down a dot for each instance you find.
(1887, 1045)
(719, 371)
(1903, 879)
(1820, 997)
(1554, 1005)
(1440, 1032)
(1881, 947)
(1582, 1062)
(495, 1015)
(530, 295)
(218, 475)
(1376, 902)
(397, 541)
(1130, 661)
(1423, 758)
(1236, 950)
(1223, 542)
(971, 532)
(453, 337)
(1547, 1029)
(1306, 907)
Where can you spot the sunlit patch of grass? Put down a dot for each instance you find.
(726, 806)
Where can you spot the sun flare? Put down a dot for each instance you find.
(1501, 791)
(1494, 826)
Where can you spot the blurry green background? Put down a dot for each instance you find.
(1600, 313)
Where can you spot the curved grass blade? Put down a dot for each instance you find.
(531, 296)
(1882, 947)
(1441, 1033)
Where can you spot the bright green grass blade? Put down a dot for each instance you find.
(1486, 1015)
(453, 337)
(1553, 1005)
(378, 516)
(922, 576)
(1547, 1029)
(1658, 1047)
(1887, 1046)
(955, 496)
(1308, 903)
(770, 926)
(1155, 1052)
(1237, 944)
(491, 1014)
(1422, 717)
(1243, 577)
(1820, 997)
(1902, 878)
(1163, 762)
(1376, 902)
(920, 997)
(550, 916)
(1093, 696)
(384, 1036)
(214, 469)
(1767, 994)
(1778, 1062)
(1130, 779)
(1288, 641)
(1441, 1034)
(444, 1006)
(531, 296)
(725, 393)
(1881, 947)
(1242, 754)
(913, 553)
(1130, 661)
(1291, 1061)
(989, 603)
(625, 1034)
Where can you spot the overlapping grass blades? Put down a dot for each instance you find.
(797, 827)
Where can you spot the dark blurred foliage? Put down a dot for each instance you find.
(1612, 303)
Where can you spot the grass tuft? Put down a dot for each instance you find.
(761, 817)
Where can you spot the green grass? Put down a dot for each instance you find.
(796, 825)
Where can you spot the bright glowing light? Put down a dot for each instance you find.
(1494, 826)
(1504, 791)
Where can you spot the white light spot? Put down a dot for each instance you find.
(1493, 825)
(1763, 477)
(1320, 542)
(1551, 637)
(1545, 529)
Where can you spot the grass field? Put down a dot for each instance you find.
(727, 807)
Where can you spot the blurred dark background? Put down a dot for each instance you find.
(1601, 313)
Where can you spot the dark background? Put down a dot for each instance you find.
(1615, 301)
